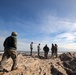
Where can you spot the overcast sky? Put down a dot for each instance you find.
(40, 21)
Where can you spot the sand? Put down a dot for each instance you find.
(28, 65)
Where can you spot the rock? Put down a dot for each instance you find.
(66, 56)
(28, 65)
(56, 71)
(69, 62)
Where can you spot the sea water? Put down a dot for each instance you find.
(35, 52)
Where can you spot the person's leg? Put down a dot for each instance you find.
(31, 52)
(56, 54)
(14, 58)
(3, 60)
(52, 53)
(14, 66)
(46, 54)
(38, 52)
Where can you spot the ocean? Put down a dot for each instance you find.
(41, 52)
(35, 52)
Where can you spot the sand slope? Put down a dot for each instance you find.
(28, 65)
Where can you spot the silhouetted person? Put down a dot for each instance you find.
(46, 50)
(56, 50)
(10, 46)
(38, 48)
(52, 49)
(31, 48)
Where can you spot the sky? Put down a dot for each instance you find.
(39, 21)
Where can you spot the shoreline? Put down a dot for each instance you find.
(41, 52)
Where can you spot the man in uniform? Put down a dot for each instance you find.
(10, 46)
(31, 48)
(46, 50)
(52, 50)
(56, 50)
(38, 47)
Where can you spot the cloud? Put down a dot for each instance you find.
(67, 47)
(58, 30)
(67, 37)
(1, 42)
(50, 29)
(55, 25)
(53, 30)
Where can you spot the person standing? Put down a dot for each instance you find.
(52, 50)
(38, 47)
(31, 48)
(46, 50)
(10, 46)
(56, 50)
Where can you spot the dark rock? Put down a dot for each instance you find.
(66, 64)
(65, 56)
(55, 71)
(69, 72)
(69, 62)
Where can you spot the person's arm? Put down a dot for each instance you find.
(15, 42)
(4, 44)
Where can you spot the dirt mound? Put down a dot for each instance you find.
(28, 65)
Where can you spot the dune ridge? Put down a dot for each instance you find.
(65, 64)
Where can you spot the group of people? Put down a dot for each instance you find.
(31, 49)
(54, 50)
(10, 50)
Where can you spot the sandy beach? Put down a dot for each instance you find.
(65, 64)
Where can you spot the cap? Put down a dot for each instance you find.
(14, 33)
